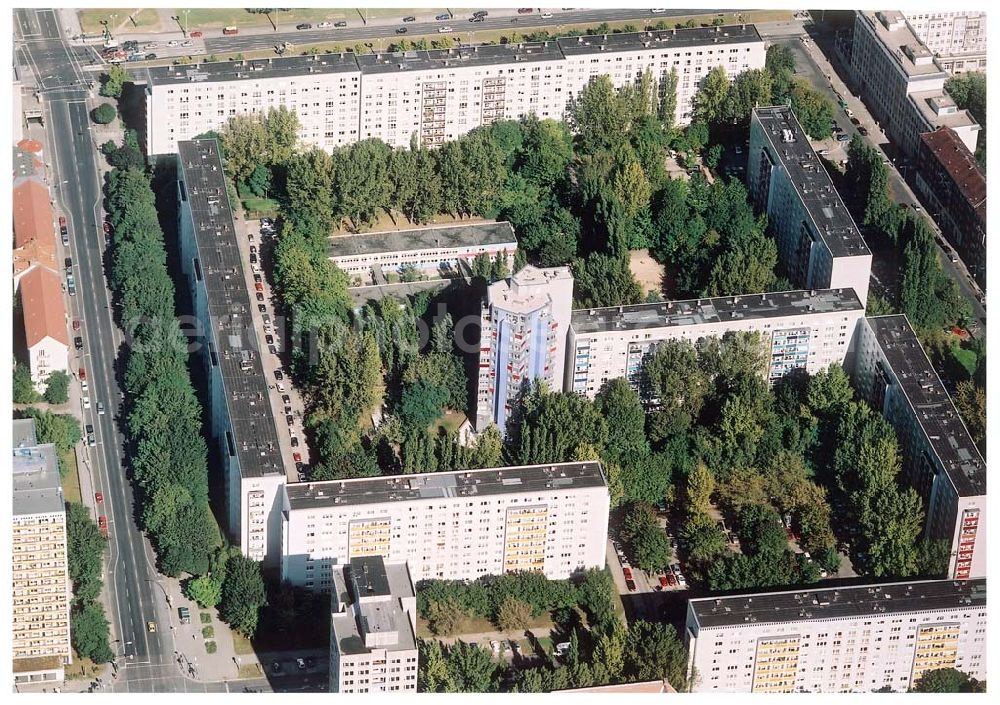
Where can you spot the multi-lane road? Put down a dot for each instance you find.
(135, 599)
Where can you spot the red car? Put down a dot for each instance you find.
(98, 497)
(62, 221)
(102, 523)
(107, 227)
(630, 584)
(196, 35)
(525, 11)
(627, 572)
(76, 324)
(671, 580)
(258, 286)
(664, 582)
(297, 457)
(83, 375)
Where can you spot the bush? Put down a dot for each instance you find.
(104, 113)
(205, 590)
(210, 647)
(24, 389)
(57, 388)
(206, 618)
(208, 633)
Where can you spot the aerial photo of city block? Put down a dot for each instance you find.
(498, 350)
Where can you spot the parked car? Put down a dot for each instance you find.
(275, 667)
(82, 375)
(278, 375)
(445, 30)
(863, 131)
(258, 285)
(62, 221)
(843, 137)
(681, 580)
(295, 442)
(230, 31)
(481, 13)
(855, 121)
(324, 25)
(546, 15)
(338, 25)
(106, 226)
(261, 308)
(297, 457)
(253, 258)
(664, 582)
(269, 339)
(185, 615)
(150, 57)
(303, 25)
(301, 663)
(525, 10)
(477, 19)
(671, 580)
(78, 343)
(630, 584)
(260, 296)
(102, 524)
(91, 440)
(197, 34)
(76, 324)
(98, 497)
(188, 43)
(100, 408)
(257, 277)
(285, 399)
(627, 572)
(409, 18)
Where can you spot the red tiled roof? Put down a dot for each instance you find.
(959, 162)
(32, 213)
(30, 145)
(42, 307)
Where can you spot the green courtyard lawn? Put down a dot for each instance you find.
(145, 20)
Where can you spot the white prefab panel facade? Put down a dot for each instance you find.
(958, 38)
(807, 339)
(857, 653)
(557, 531)
(940, 459)
(374, 671)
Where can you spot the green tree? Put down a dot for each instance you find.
(623, 412)
(57, 387)
(471, 669)
(445, 617)
(658, 654)
(813, 110)
(749, 89)
(362, 181)
(259, 181)
(244, 144)
(780, 64)
(61, 429)
(710, 102)
(604, 280)
(281, 126)
(829, 390)
(432, 674)
(668, 106)
(970, 401)
(552, 425)
(699, 488)
(309, 188)
(84, 552)
(205, 590)
(921, 272)
(24, 388)
(104, 113)
(90, 633)
(243, 595)
(422, 403)
(513, 615)
(113, 81)
(545, 153)
(947, 680)
(600, 119)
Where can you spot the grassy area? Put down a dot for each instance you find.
(146, 20)
(259, 207)
(478, 625)
(210, 647)
(964, 357)
(208, 633)
(71, 482)
(206, 618)
(81, 669)
(450, 422)
(251, 671)
(218, 17)
(241, 645)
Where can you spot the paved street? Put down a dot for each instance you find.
(134, 598)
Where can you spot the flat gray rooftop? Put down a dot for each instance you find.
(234, 339)
(659, 39)
(463, 56)
(831, 219)
(250, 69)
(23, 432)
(37, 487)
(716, 310)
(931, 405)
(895, 34)
(436, 59)
(465, 483)
(833, 603)
(384, 613)
(432, 238)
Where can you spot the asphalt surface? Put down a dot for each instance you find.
(70, 151)
(463, 28)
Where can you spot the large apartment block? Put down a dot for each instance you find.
(524, 323)
(837, 639)
(437, 95)
(439, 250)
(242, 421)
(941, 462)
(450, 525)
(807, 330)
(902, 83)
(373, 625)
(957, 38)
(819, 245)
(41, 587)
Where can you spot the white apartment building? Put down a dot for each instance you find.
(902, 83)
(957, 38)
(242, 419)
(373, 624)
(437, 95)
(435, 251)
(449, 525)
(41, 587)
(819, 245)
(799, 330)
(523, 329)
(836, 640)
(941, 462)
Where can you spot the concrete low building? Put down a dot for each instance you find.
(450, 525)
(953, 187)
(435, 251)
(819, 245)
(242, 423)
(852, 639)
(807, 330)
(894, 374)
(41, 587)
(373, 624)
(524, 323)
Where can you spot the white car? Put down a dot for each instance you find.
(188, 43)
(443, 30)
(658, 11)
(546, 15)
(86, 402)
(173, 43)
(324, 25)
